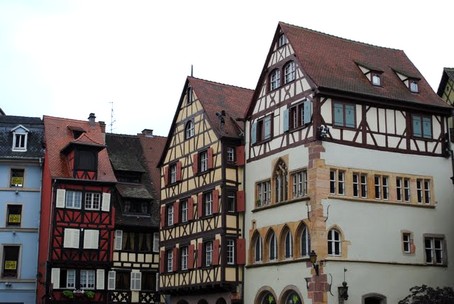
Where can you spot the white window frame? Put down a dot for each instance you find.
(334, 243)
(289, 72)
(92, 201)
(434, 248)
(406, 242)
(111, 280)
(170, 214)
(155, 241)
(173, 173)
(184, 258)
(337, 182)
(136, 280)
(203, 161)
(20, 139)
(71, 278)
(189, 129)
(423, 190)
(184, 211)
(118, 242)
(208, 253)
(87, 279)
(230, 251)
(169, 260)
(275, 79)
(299, 184)
(73, 199)
(208, 203)
(230, 154)
(263, 193)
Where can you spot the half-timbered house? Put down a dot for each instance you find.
(77, 219)
(202, 196)
(347, 162)
(135, 265)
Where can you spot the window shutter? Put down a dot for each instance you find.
(426, 127)
(338, 114)
(240, 203)
(55, 278)
(191, 256)
(267, 127)
(60, 199)
(350, 116)
(286, 121)
(175, 259)
(200, 205)
(239, 151)
(91, 239)
(156, 242)
(195, 163)
(163, 216)
(215, 201)
(71, 238)
(216, 252)
(240, 251)
(166, 175)
(111, 280)
(210, 158)
(176, 212)
(254, 133)
(118, 242)
(307, 108)
(105, 202)
(162, 261)
(190, 208)
(100, 279)
(178, 171)
(200, 255)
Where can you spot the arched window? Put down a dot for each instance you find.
(275, 79)
(305, 241)
(293, 298)
(189, 129)
(221, 301)
(289, 72)
(268, 298)
(258, 248)
(374, 298)
(272, 247)
(281, 181)
(288, 244)
(334, 243)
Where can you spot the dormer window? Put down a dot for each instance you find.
(20, 136)
(86, 160)
(372, 74)
(414, 86)
(411, 82)
(376, 79)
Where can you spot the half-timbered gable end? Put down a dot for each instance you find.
(75, 249)
(347, 152)
(202, 192)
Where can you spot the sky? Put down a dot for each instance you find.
(127, 60)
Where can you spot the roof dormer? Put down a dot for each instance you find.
(411, 82)
(20, 137)
(374, 75)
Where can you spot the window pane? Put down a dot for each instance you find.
(350, 116)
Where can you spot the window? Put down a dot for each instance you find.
(262, 130)
(230, 251)
(184, 211)
(231, 201)
(230, 155)
(169, 214)
(288, 245)
(258, 246)
(156, 242)
(298, 115)
(434, 249)
(86, 160)
(73, 199)
(282, 40)
(118, 241)
(275, 79)
(376, 79)
(299, 184)
(184, 258)
(360, 185)
(381, 187)
(422, 126)
(280, 181)
(149, 280)
(272, 247)
(293, 298)
(423, 190)
(92, 200)
(91, 239)
(305, 241)
(71, 278)
(14, 215)
(10, 261)
(136, 280)
(406, 242)
(122, 280)
(203, 161)
(17, 178)
(189, 129)
(334, 243)
(111, 278)
(267, 298)
(337, 182)
(414, 86)
(173, 173)
(263, 193)
(208, 203)
(344, 114)
(169, 255)
(399, 189)
(87, 279)
(289, 72)
(71, 238)
(20, 135)
(208, 253)
(189, 96)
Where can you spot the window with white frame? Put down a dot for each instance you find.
(20, 136)
(87, 279)
(208, 253)
(334, 243)
(381, 187)
(272, 247)
(71, 278)
(184, 211)
(169, 259)
(435, 250)
(423, 190)
(360, 185)
(337, 182)
(299, 184)
(275, 79)
(184, 258)
(305, 241)
(73, 199)
(414, 88)
(111, 278)
(136, 280)
(289, 72)
(406, 242)
(376, 79)
(288, 245)
(230, 154)
(189, 129)
(207, 203)
(263, 193)
(156, 242)
(282, 40)
(92, 200)
(169, 208)
(402, 189)
(173, 173)
(230, 251)
(203, 161)
(118, 242)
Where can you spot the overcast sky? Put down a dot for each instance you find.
(70, 58)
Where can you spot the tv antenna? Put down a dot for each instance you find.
(112, 120)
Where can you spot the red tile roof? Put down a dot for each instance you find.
(152, 150)
(59, 134)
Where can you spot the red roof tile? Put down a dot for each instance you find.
(152, 150)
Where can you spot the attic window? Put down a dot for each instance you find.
(282, 40)
(189, 96)
(414, 86)
(372, 74)
(20, 135)
(76, 131)
(376, 79)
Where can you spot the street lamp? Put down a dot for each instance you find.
(313, 259)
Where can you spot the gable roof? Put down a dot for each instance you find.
(58, 136)
(331, 64)
(217, 97)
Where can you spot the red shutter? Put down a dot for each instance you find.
(195, 163)
(191, 257)
(210, 158)
(239, 154)
(162, 261)
(200, 205)
(176, 212)
(178, 171)
(166, 175)
(199, 255)
(175, 259)
(190, 208)
(163, 216)
(216, 252)
(240, 204)
(215, 201)
(241, 251)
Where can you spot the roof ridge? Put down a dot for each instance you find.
(219, 83)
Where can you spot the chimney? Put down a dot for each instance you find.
(92, 119)
(102, 124)
(147, 132)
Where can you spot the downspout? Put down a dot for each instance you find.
(449, 147)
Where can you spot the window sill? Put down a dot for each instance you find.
(274, 205)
